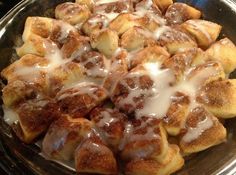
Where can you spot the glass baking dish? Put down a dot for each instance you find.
(19, 158)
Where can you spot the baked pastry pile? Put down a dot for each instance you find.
(126, 86)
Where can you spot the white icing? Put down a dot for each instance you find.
(191, 84)
(96, 70)
(65, 30)
(144, 9)
(106, 120)
(99, 19)
(146, 5)
(10, 116)
(110, 16)
(53, 60)
(133, 92)
(158, 97)
(85, 47)
(131, 56)
(30, 74)
(54, 56)
(78, 89)
(128, 130)
(194, 133)
(159, 31)
(116, 63)
(107, 63)
(158, 104)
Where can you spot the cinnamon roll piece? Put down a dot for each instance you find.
(172, 162)
(34, 118)
(113, 7)
(87, 3)
(219, 97)
(80, 99)
(163, 4)
(106, 41)
(73, 13)
(64, 136)
(181, 62)
(94, 157)
(35, 45)
(123, 22)
(174, 39)
(177, 113)
(224, 51)
(131, 90)
(144, 139)
(205, 32)
(66, 75)
(149, 54)
(95, 23)
(203, 130)
(56, 30)
(26, 79)
(75, 47)
(94, 64)
(111, 123)
(136, 38)
(178, 13)
(118, 68)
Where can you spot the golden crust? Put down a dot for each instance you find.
(73, 13)
(135, 38)
(88, 3)
(149, 54)
(34, 45)
(120, 6)
(95, 23)
(35, 116)
(163, 4)
(176, 40)
(219, 97)
(106, 41)
(65, 76)
(75, 46)
(55, 30)
(208, 131)
(172, 162)
(205, 32)
(63, 137)
(123, 22)
(79, 100)
(177, 114)
(92, 156)
(22, 84)
(178, 13)
(13, 72)
(224, 51)
(37, 25)
(118, 68)
(180, 62)
(112, 123)
(147, 140)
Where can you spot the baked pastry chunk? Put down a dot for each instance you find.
(73, 13)
(108, 84)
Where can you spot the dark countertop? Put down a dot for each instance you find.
(6, 5)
